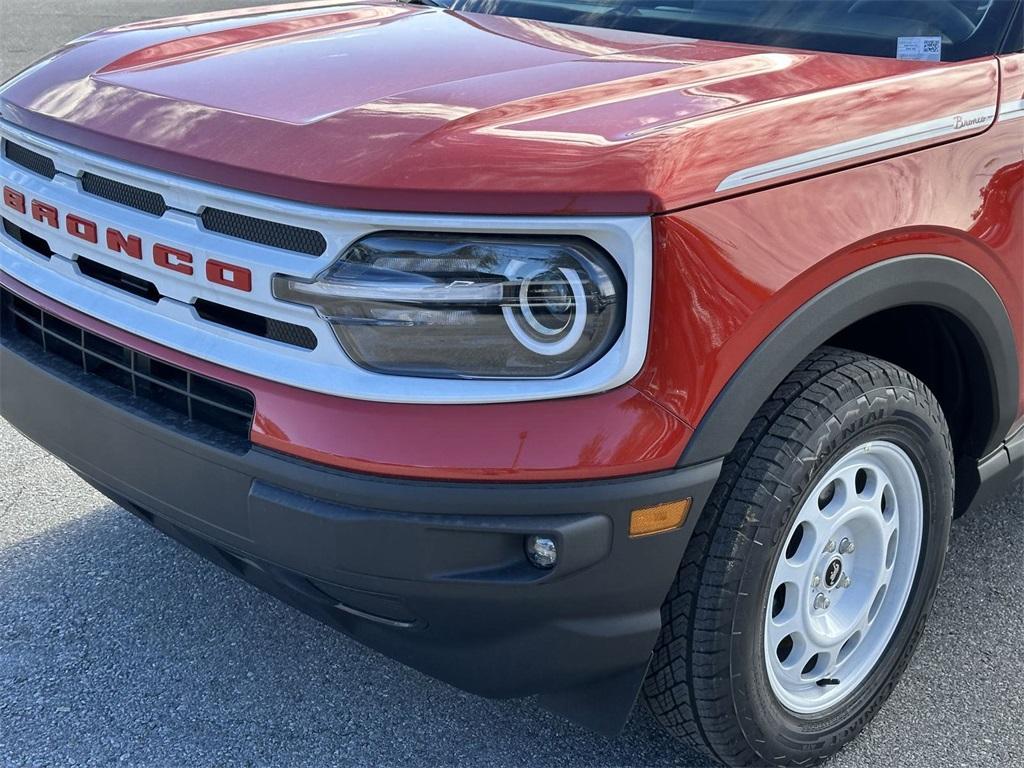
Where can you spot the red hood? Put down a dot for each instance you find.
(378, 105)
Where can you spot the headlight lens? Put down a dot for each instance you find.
(468, 306)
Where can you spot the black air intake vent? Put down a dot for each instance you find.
(125, 194)
(256, 325)
(284, 236)
(177, 397)
(26, 238)
(26, 158)
(115, 278)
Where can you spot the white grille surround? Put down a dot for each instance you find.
(174, 322)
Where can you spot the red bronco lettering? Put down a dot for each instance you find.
(131, 245)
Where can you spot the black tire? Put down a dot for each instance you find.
(708, 683)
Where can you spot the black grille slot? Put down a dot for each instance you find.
(257, 325)
(26, 158)
(125, 194)
(118, 279)
(27, 239)
(284, 236)
(179, 397)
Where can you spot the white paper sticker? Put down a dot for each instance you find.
(919, 48)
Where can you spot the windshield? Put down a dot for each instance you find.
(930, 30)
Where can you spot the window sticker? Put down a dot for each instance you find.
(919, 48)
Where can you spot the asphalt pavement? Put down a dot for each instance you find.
(118, 646)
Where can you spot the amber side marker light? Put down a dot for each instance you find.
(658, 519)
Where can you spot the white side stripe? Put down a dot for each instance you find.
(1011, 110)
(849, 150)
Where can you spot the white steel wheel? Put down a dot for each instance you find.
(810, 574)
(843, 578)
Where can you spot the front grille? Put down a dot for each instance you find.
(256, 325)
(262, 235)
(26, 158)
(210, 311)
(125, 194)
(287, 237)
(27, 239)
(284, 236)
(115, 278)
(176, 396)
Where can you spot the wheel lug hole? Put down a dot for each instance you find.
(831, 546)
(846, 546)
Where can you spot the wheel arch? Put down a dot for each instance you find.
(950, 287)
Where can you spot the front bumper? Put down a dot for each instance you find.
(432, 574)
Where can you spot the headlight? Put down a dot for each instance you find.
(468, 306)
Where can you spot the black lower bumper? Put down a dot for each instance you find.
(432, 574)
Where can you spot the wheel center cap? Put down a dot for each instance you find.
(832, 572)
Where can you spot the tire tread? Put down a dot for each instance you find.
(685, 689)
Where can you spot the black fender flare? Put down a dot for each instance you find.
(923, 280)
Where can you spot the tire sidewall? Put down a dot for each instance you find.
(898, 416)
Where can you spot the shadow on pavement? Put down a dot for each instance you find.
(116, 643)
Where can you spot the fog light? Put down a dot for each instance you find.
(542, 551)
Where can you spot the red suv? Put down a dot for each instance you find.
(584, 350)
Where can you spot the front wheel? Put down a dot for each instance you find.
(805, 588)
